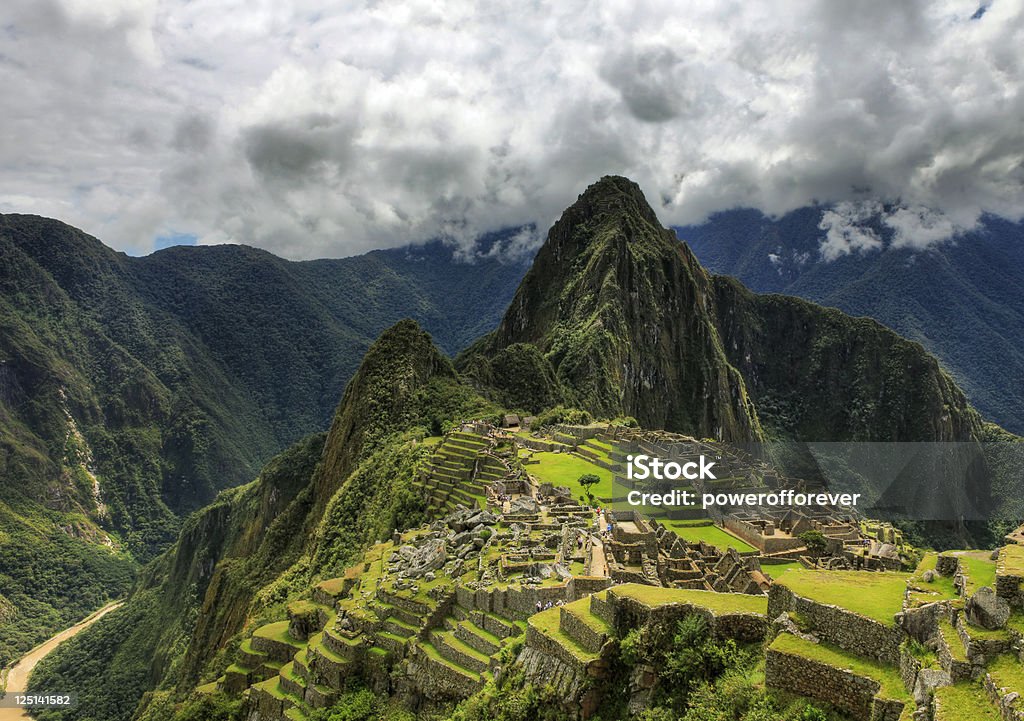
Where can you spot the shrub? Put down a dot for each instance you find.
(560, 414)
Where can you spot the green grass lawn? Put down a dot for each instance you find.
(887, 676)
(278, 632)
(709, 534)
(1007, 671)
(713, 601)
(564, 469)
(940, 588)
(980, 570)
(964, 702)
(876, 595)
(777, 569)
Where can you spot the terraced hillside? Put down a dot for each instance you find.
(448, 602)
(944, 643)
(461, 468)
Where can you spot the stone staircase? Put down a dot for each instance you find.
(459, 471)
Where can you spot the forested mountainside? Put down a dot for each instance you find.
(133, 389)
(960, 299)
(607, 269)
(621, 319)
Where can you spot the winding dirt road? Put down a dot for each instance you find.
(17, 676)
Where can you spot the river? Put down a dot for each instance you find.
(17, 676)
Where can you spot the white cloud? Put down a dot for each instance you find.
(846, 231)
(324, 129)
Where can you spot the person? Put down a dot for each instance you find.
(538, 606)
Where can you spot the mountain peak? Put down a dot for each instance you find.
(612, 209)
(617, 308)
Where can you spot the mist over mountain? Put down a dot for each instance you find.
(627, 322)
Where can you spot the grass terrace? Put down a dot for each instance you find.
(980, 570)
(712, 535)
(564, 469)
(939, 589)
(1011, 560)
(891, 685)
(964, 702)
(278, 632)
(1007, 672)
(952, 640)
(654, 596)
(878, 596)
(581, 610)
(1016, 622)
(777, 569)
(548, 623)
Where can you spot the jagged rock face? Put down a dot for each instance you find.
(623, 312)
(816, 373)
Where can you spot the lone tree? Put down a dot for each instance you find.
(815, 541)
(587, 480)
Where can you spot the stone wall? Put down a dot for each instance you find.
(580, 586)
(1008, 584)
(580, 631)
(752, 535)
(630, 613)
(1006, 700)
(550, 647)
(843, 689)
(850, 631)
(513, 603)
(544, 669)
(947, 565)
(436, 681)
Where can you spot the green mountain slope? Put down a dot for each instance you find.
(133, 389)
(311, 511)
(613, 312)
(960, 300)
(623, 320)
(620, 311)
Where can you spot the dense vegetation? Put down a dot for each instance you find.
(133, 389)
(311, 512)
(615, 319)
(624, 321)
(50, 579)
(961, 300)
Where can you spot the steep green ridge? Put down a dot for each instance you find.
(815, 373)
(620, 312)
(615, 316)
(623, 320)
(310, 513)
(133, 389)
(961, 300)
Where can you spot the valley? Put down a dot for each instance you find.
(460, 540)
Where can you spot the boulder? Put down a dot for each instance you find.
(430, 557)
(987, 610)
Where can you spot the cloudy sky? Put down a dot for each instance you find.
(314, 128)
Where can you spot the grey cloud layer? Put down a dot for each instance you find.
(325, 129)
